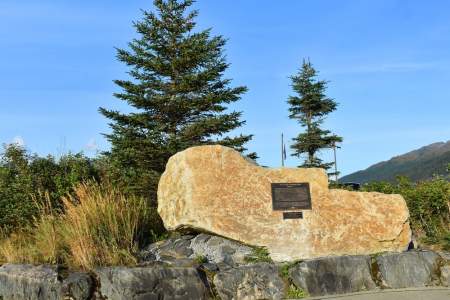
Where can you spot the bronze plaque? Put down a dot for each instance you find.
(286, 196)
(293, 215)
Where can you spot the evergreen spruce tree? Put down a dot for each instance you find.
(178, 94)
(310, 107)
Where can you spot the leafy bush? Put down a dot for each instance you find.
(24, 177)
(428, 203)
(16, 186)
(98, 226)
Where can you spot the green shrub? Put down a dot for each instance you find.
(428, 203)
(16, 187)
(24, 177)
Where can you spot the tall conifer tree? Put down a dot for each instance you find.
(310, 107)
(178, 94)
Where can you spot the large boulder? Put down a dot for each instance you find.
(257, 281)
(27, 282)
(214, 189)
(334, 275)
(409, 269)
(122, 283)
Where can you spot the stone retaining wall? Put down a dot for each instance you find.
(204, 280)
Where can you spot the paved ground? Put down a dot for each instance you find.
(401, 294)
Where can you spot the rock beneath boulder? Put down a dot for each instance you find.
(409, 269)
(220, 250)
(213, 188)
(42, 282)
(122, 283)
(256, 281)
(173, 251)
(182, 250)
(172, 248)
(334, 275)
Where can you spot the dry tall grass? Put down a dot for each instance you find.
(16, 248)
(99, 226)
(39, 242)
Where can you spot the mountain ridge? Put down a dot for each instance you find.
(418, 164)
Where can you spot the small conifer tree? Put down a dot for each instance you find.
(309, 107)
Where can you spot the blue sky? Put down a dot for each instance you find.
(388, 63)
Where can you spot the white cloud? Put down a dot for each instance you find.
(18, 140)
(91, 145)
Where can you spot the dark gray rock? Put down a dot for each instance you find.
(168, 250)
(27, 282)
(122, 283)
(180, 262)
(78, 286)
(209, 267)
(409, 269)
(445, 269)
(445, 275)
(333, 275)
(257, 281)
(219, 250)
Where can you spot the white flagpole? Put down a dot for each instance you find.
(282, 150)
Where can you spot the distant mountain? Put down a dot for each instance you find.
(419, 164)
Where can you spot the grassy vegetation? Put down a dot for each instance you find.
(201, 259)
(284, 269)
(259, 254)
(294, 292)
(99, 226)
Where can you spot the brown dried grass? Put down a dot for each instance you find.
(99, 226)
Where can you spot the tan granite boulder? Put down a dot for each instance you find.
(214, 189)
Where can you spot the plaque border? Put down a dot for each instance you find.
(296, 184)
